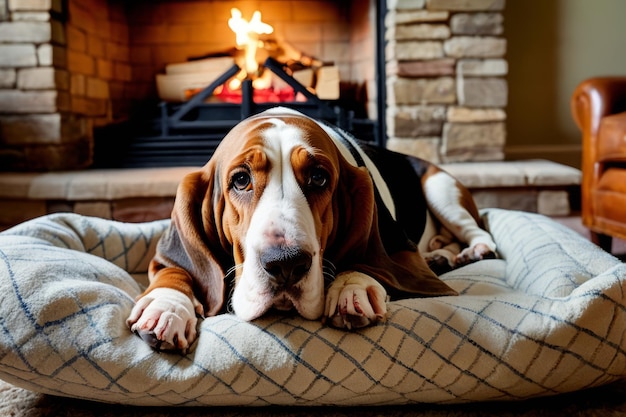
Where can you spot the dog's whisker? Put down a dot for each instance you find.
(232, 270)
(328, 271)
(230, 277)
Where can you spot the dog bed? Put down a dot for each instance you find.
(547, 317)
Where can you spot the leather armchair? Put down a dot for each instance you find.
(599, 109)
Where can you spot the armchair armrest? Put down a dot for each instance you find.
(595, 98)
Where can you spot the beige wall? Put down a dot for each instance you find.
(552, 46)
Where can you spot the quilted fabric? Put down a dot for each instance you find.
(547, 317)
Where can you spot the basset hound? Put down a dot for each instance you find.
(292, 214)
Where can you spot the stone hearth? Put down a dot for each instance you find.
(135, 195)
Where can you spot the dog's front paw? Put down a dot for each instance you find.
(165, 319)
(355, 300)
(474, 253)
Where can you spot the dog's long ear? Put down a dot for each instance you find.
(357, 243)
(194, 243)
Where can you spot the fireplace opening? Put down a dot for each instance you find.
(190, 88)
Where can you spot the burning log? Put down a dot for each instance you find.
(181, 78)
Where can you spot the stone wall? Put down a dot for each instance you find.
(446, 91)
(63, 66)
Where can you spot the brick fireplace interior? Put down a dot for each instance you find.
(75, 66)
(69, 67)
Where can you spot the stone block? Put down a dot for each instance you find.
(425, 148)
(483, 92)
(418, 91)
(142, 209)
(44, 55)
(473, 141)
(413, 50)
(405, 4)
(150, 182)
(429, 68)
(8, 78)
(547, 173)
(4, 11)
(31, 129)
(553, 203)
(493, 174)
(415, 121)
(475, 47)
(100, 209)
(42, 5)
(18, 55)
(36, 78)
(16, 101)
(74, 155)
(477, 24)
(410, 128)
(15, 185)
(511, 199)
(482, 67)
(477, 154)
(32, 16)
(394, 17)
(418, 31)
(471, 115)
(25, 31)
(464, 5)
(534, 173)
(18, 211)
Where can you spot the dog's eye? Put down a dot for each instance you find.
(241, 181)
(318, 178)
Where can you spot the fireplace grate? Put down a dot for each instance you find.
(187, 134)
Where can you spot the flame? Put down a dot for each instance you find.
(247, 35)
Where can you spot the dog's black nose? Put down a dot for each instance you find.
(286, 266)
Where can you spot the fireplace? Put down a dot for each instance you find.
(427, 74)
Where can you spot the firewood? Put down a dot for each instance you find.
(327, 84)
(218, 65)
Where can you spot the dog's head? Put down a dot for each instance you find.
(276, 202)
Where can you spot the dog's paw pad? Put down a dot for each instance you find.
(351, 321)
(155, 343)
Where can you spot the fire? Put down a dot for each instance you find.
(247, 36)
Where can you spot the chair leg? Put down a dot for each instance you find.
(602, 240)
